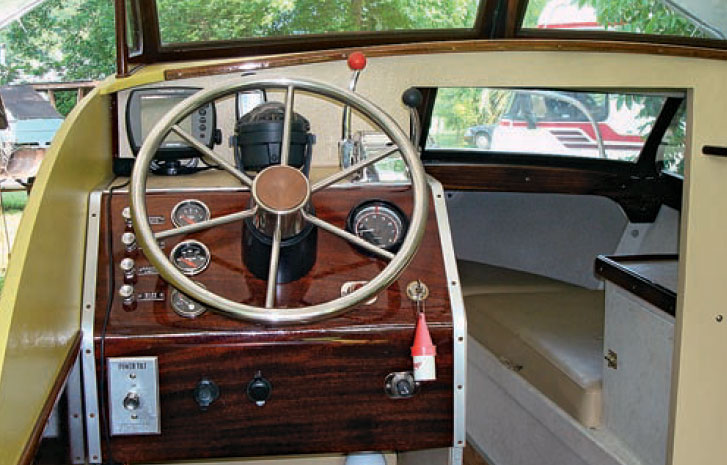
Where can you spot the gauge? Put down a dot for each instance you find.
(184, 305)
(190, 256)
(189, 212)
(381, 223)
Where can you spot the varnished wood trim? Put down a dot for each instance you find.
(31, 447)
(122, 51)
(616, 270)
(463, 46)
(640, 196)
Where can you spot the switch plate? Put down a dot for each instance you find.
(139, 376)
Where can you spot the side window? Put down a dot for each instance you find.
(133, 29)
(569, 123)
(673, 146)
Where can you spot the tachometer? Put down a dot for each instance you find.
(381, 223)
(189, 212)
(191, 257)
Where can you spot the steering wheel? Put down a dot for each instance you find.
(280, 193)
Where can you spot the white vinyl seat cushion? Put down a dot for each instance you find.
(550, 333)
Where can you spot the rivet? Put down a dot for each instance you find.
(719, 318)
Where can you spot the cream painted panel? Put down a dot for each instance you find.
(41, 299)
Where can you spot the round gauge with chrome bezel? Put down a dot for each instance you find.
(185, 306)
(190, 211)
(191, 257)
(378, 222)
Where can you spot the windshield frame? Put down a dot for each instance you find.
(496, 20)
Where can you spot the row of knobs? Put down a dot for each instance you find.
(128, 265)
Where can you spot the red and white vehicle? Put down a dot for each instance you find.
(583, 124)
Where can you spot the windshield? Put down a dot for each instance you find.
(188, 21)
(685, 18)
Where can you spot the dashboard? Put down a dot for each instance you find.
(324, 386)
(178, 377)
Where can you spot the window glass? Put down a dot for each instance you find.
(184, 21)
(133, 30)
(669, 17)
(673, 146)
(610, 125)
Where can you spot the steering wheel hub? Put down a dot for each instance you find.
(281, 189)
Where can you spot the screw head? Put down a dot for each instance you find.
(719, 318)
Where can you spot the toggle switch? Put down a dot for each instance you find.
(133, 390)
(132, 401)
(400, 385)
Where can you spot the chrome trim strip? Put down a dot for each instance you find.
(459, 320)
(75, 414)
(207, 189)
(88, 358)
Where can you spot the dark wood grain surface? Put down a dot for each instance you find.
(641, 198)
(328, 377)
(633, 273)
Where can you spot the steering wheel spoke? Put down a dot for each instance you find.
(227, 166)
(273, 270)
(346, 172)
(342, 233)
(287, 126)
(202, 225)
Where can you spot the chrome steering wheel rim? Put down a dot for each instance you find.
(278, 315)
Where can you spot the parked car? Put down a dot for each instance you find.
(479, 136)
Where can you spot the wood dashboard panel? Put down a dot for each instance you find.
(328, 377)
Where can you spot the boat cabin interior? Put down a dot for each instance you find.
(463, 234)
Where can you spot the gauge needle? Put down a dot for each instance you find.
(188, 262)
(187, 219)
(369, 236)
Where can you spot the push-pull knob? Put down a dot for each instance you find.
(132, 401)
(126, 213)
(259, 389)
(128, 267)
(128, 298)
(129, 241)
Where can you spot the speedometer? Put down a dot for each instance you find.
(380, 223)
(191, 257)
